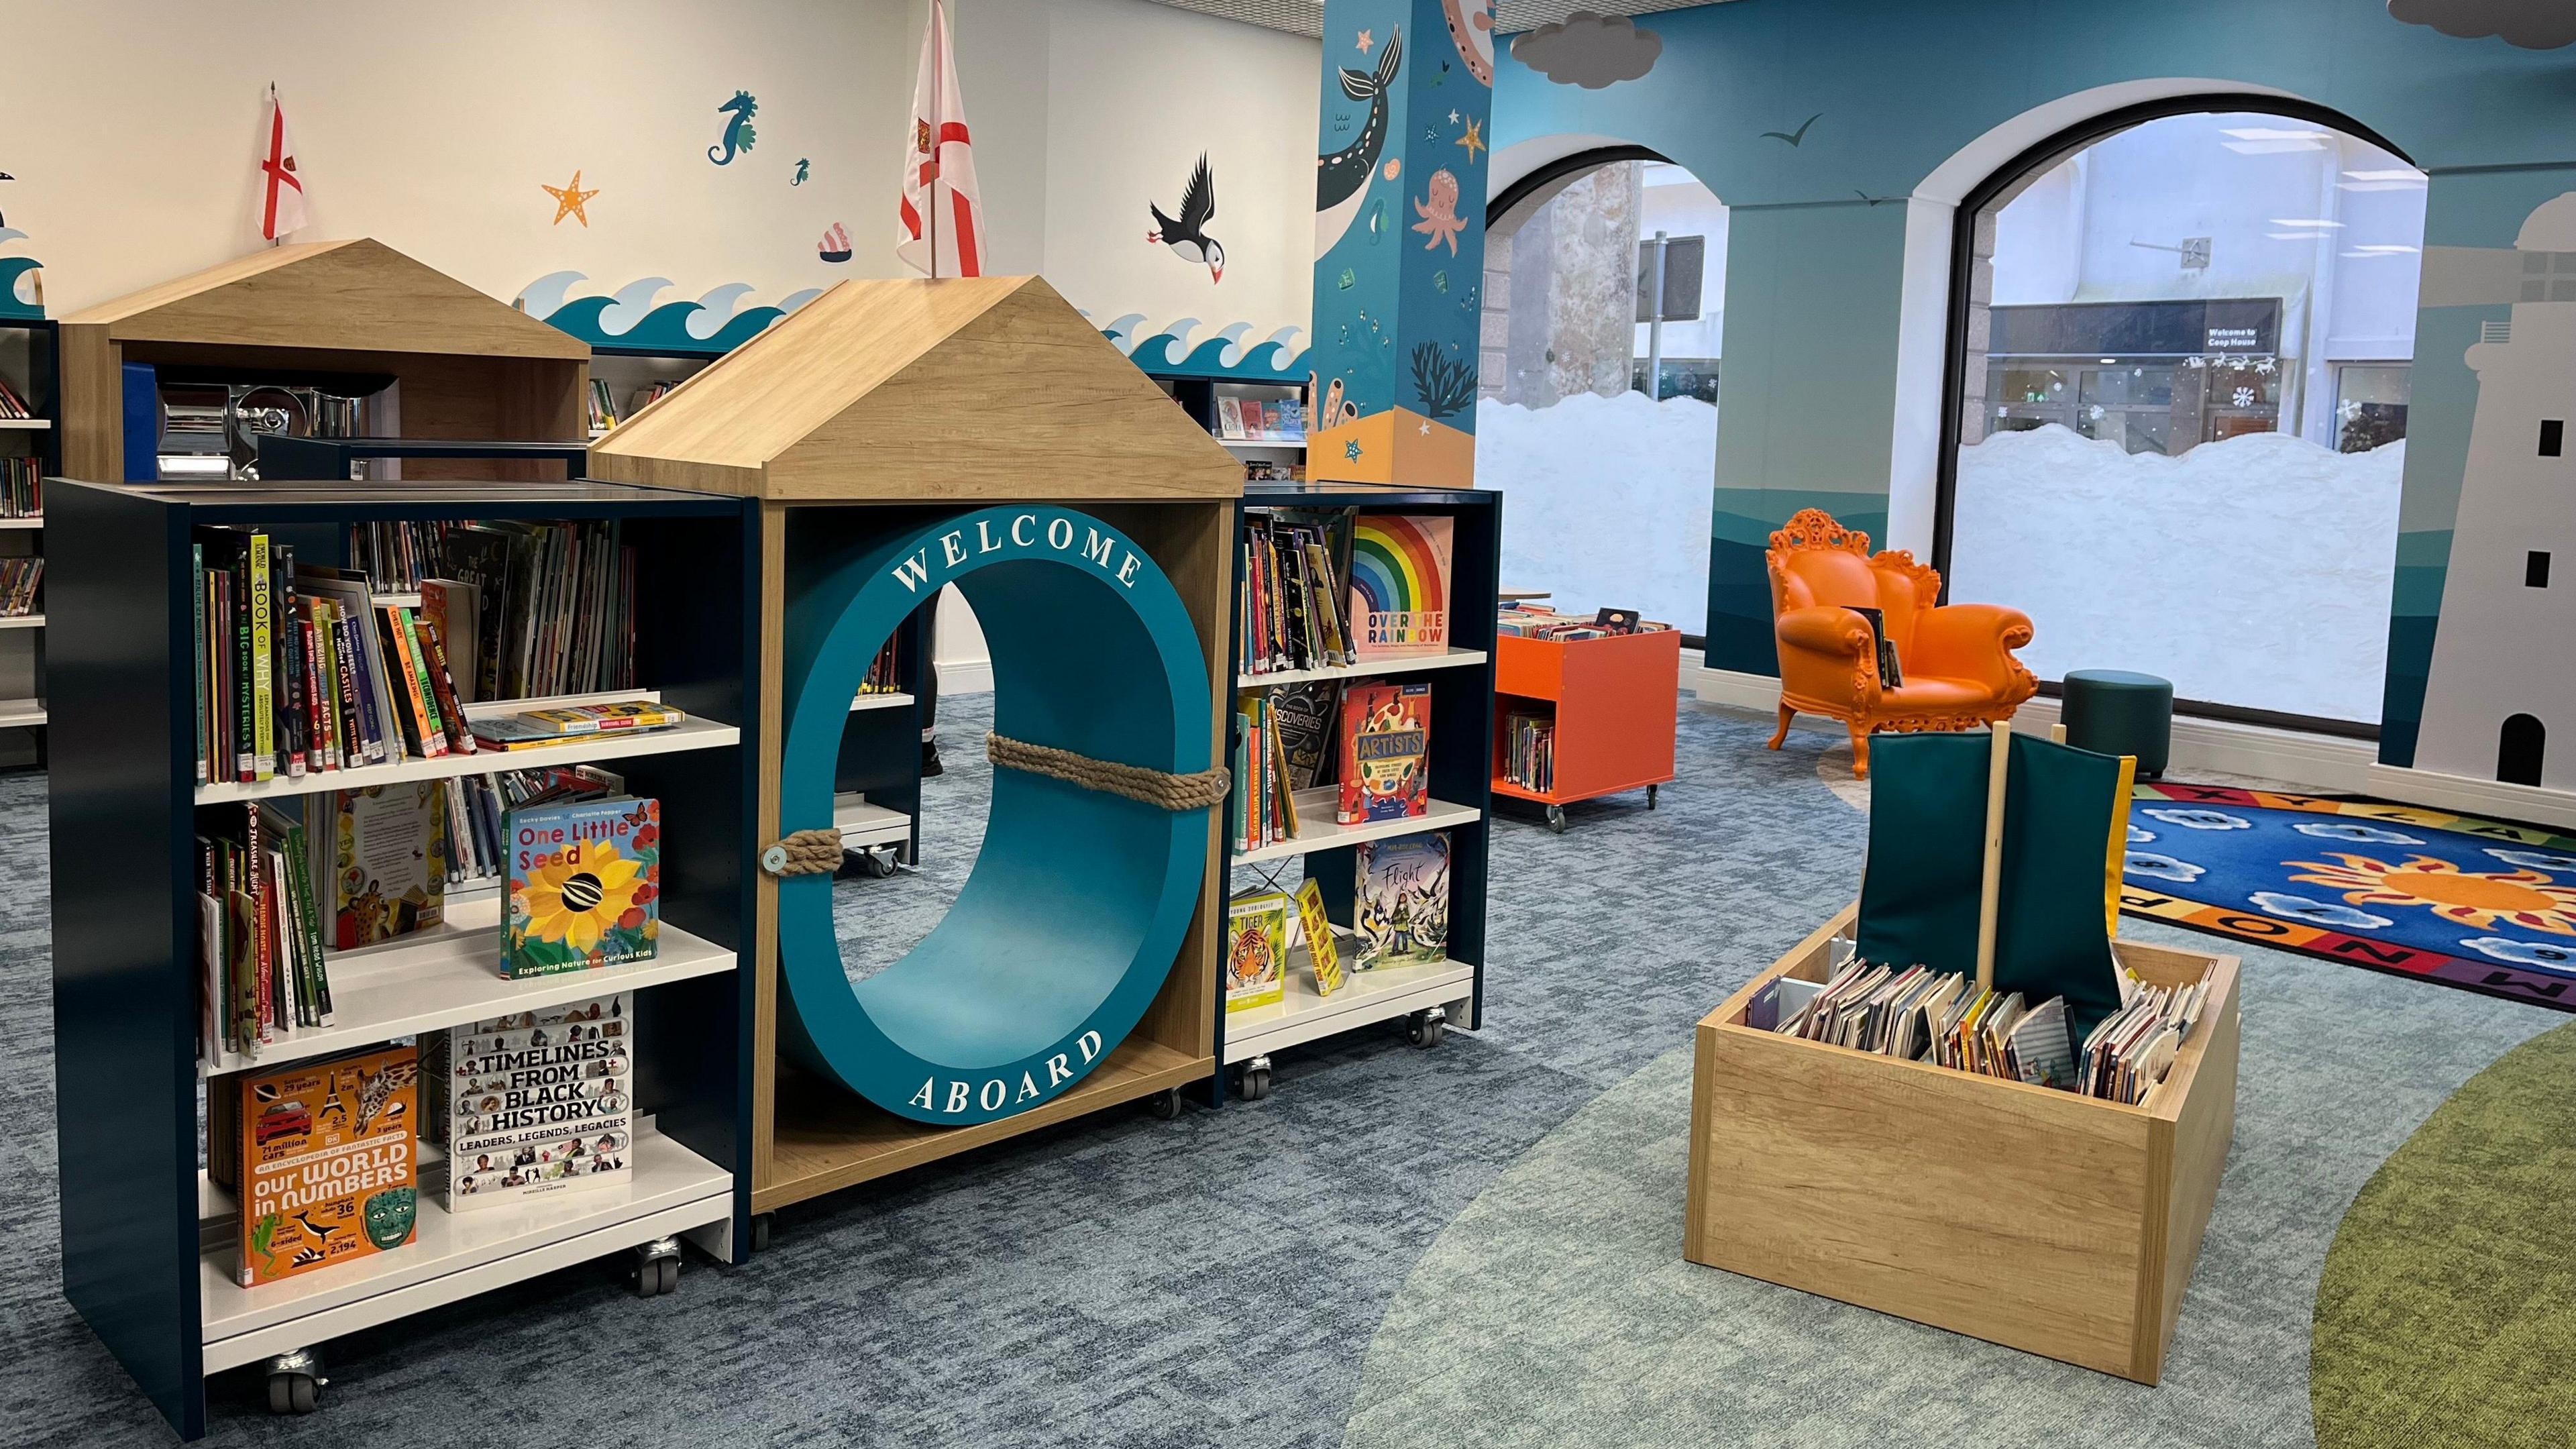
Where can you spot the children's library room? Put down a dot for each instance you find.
(993, 724)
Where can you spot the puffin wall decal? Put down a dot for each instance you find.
(1187, 236)
(1342, 178)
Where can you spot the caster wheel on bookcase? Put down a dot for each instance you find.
(295, 1382)
(1426, 1027)
(876, 863)
(1556, 818)
(761, 1225)
(1165, 1104)
(657, 1268)
(1650, 796)
(1253, 1085)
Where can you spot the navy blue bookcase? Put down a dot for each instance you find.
(1428, 997)
(124, 805)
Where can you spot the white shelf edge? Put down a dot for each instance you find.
(861, 823)
(28, 425)
(20, 713)
(38, 521)
(693, 734)
(397, 601)
(879, 701)
(1298, 444)
(1401, 664)
(1315, 819)
(22, 621)
(458, 1255)
(1366, 996)
(450, 976)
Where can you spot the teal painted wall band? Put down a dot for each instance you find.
(1068, 925)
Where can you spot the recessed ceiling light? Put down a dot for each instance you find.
(2110, 361)
(2307, 221)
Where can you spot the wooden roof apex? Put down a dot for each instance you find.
(910, 388)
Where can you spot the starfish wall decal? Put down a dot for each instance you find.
(1365, 41)
(1474, 139)
(569, 200)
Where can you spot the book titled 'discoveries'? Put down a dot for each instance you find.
(321, 1156)
(585, 885)
(537, 1102)
(1385, 731)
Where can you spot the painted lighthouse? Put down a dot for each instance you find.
(2500, 703)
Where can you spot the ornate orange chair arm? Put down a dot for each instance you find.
(1824, 629)
(1827, 654)
(1974, 641)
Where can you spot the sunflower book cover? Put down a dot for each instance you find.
(1256, 950)
(322, 1159)
(1386, 729)
(585, 885)
(535, 1102)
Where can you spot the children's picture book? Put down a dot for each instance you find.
(1305, 716)
(388, 863)
(1323, 953)
(321, 1157)
(585, 885)
(1400, 584)
(1386, 727)
(1400, 903)
(535, 1102)
(1256, 950)
(554, 726)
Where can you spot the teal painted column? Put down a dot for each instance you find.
(1806, 400)
(1400, 239)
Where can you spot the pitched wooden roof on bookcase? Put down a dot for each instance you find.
(976, 387)
(359, 295)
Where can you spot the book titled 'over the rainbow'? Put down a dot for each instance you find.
(585, 886)
(1400, 584)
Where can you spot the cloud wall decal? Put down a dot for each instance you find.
(1588, 50)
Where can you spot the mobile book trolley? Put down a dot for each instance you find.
(136, 1209)
(927, 424)
(1614, 704)
(1427, 995)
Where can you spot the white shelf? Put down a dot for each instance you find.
(689, 734)
(22, 621)
(37, 521)
(1315, 821)
(18, 713)
(1388, 992)
(880, 701)
(1298, 444)
(863, 824)
(451, 976)
(397, 601)
(452, 1257)
(1370, 669)
(26, 424)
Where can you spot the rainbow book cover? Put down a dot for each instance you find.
(585, 885)
(1400, 584)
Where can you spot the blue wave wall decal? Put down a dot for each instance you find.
(1223, 357)
(709, 327)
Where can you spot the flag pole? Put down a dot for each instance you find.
(272, 108)
(938, 62)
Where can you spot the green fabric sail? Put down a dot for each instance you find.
(1927, 845)
(2052, 937)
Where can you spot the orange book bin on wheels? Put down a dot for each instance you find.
(1614, 700)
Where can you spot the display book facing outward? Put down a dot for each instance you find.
(129, 976)
(1978, 1029)
(1362, 746)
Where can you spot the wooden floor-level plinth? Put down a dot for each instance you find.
(2042, 1220)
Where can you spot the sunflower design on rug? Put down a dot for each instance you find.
(593, 899)
(2525, 898)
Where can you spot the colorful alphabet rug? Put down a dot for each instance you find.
(2469, 903)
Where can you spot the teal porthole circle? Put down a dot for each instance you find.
(1068, 924)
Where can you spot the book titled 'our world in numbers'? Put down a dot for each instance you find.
(585, 886)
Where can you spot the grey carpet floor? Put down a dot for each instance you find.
(1227, 1278)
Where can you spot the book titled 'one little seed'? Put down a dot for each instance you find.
(585, 886)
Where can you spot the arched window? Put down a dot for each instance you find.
(2520, 747)
(2179, 371)
(1597, 382)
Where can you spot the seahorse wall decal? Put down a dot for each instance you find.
(738, 132)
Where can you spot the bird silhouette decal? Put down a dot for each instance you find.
(1797, 136)
(1187, 236)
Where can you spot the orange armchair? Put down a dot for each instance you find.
(1956, 659)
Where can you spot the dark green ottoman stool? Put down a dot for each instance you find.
(2115, 712)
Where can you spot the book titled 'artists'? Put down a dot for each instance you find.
(585, 885)
(1385, 730)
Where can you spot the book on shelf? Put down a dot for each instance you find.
(13, 404)
(22, 486)
(476, 847)
(603, 407)
(1400, 900)
(1306, 713)
(1891, 675)
(555, 602)
(1265, 806)
(1386, 736)
(584, 886)
(262, 970)
(1292, 420)
(1537, 621)
(1529, 750)
(1289, 605)
(1256, 950)
(1617, 621)
(19, 578)
(1229, 418)
(534, 728)
(322, 1159)
(885, 671)
(1400, 568)
(1323, 953)
(386, 859)
(533, 1103)
(454, 608)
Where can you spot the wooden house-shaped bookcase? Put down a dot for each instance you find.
(461, 364)
(882, 404)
